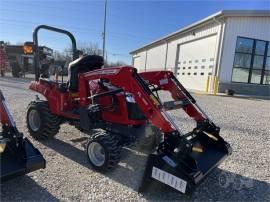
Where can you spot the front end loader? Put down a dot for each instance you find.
(17, 154)
(126, 108)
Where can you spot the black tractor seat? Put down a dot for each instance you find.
(81, 65)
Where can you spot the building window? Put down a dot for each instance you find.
(202, 73)
(211, 66)
(183, 73)
(203, 60)
(184, 62)
(211, 59)
(202, 67)
(195, 73)
(244, 45)
(196, 61)
(240, 75)
(210, 73)
(195, 67)
(188, 73)
(266, 74)
(251, 61)
(189, 67)
(266, 78)
(190, 61)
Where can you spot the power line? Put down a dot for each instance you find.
(109, 14)
(18, 22)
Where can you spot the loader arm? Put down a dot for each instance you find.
(6, 118)
(165, 80)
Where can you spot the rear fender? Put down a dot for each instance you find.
(50, 92)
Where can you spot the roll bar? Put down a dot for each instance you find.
(36, 52)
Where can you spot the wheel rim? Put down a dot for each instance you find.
(96, 154)
(34, 120)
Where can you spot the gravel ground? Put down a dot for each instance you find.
(244, 124)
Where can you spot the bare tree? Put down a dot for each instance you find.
(117, 63)
(89, 48)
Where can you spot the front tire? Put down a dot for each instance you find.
(41, 123)
(103, 151)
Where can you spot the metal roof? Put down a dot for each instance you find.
(223, 13)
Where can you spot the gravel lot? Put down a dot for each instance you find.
(244, 124)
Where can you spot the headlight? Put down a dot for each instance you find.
(130, 98)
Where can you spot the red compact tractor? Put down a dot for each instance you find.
(125, 104)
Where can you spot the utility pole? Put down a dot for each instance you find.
(104, 29)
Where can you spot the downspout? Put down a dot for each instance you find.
(133, 60)
(166, 54)
(145, 60)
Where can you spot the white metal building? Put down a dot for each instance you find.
(231, 45)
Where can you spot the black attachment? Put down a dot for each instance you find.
(20, 156)
(183, 170)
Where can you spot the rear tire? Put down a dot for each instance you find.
(103, 151)
(41, 123)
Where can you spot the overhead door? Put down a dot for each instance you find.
(196, 62)
(137, 63)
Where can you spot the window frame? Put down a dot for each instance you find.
(251, 67)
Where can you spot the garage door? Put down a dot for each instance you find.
(137, 63)
(196, 62)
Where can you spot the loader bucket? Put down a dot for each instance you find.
(185, 173)
(16, 162)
